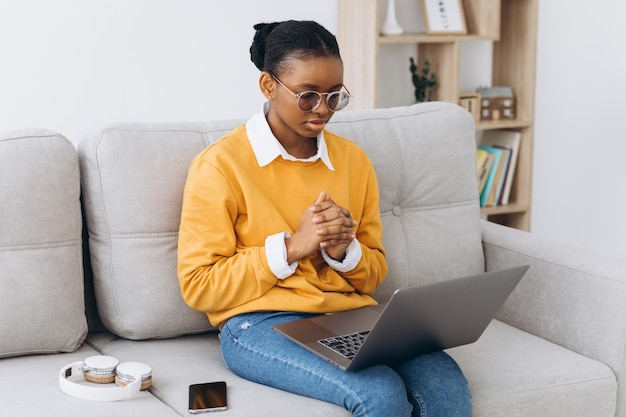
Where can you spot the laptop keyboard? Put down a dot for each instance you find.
(346, 345)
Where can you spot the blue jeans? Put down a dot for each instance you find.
(428, 385)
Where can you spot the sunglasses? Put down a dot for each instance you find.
(310, 100)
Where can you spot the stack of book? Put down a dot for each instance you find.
(496, 158)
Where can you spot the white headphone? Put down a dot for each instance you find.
(131, 377)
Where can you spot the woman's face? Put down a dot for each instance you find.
(287, 121)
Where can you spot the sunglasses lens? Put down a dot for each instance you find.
(338, 100)
(309, 100)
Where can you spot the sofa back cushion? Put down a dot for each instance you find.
(425, 161)
(41, 276)
(133, 177)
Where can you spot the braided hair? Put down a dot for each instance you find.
(275, 44)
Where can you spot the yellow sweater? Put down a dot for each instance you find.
(231, 205)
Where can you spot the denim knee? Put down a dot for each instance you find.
(381, 393)
(255, 352)
(436, 386)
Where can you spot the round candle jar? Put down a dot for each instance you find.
(128, 371)
(100, 369)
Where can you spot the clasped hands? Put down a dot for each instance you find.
(325, 225)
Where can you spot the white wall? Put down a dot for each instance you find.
(580, 136)
(75, 65)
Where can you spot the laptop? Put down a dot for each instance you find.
(415, 321)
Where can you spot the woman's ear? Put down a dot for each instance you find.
(267, 85)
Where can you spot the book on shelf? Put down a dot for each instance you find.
(509, 140)
(484, 162)
(490, 195)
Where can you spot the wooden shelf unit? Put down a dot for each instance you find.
(510, 24)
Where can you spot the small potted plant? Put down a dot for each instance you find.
(424, 83)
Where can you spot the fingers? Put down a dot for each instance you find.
(322, 197)
(337, 243)
(337, 235)
(334, 225)
(338, 227)
(332, 214)
(324, 224)
(326, 210)
(331, 218)
(317, 204)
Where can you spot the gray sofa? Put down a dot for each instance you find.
(70, 290)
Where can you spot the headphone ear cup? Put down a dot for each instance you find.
(100, 369)
(134, 375)
(127, 372)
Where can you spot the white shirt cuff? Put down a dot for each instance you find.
(351, 260)
(276, 254)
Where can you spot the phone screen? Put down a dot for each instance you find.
(210, 396)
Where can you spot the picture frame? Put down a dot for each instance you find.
(444, 17)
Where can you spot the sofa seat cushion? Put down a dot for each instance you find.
(41, 275)
(31, 385)
(177, 363)
(513, 373)
(510, 372)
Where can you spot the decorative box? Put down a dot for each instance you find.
(497, 103)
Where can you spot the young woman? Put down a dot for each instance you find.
(280, 221)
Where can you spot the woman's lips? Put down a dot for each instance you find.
(317, 124)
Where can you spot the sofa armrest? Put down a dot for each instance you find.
(569, 296)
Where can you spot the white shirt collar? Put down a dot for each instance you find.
(267, 148)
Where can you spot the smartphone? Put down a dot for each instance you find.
(207, 397)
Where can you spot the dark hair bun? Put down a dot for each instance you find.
(277, 43)
(257, 49)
